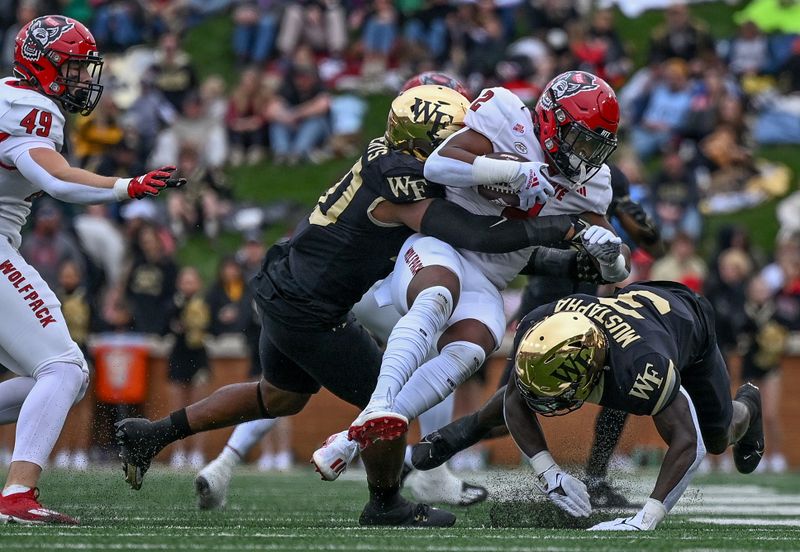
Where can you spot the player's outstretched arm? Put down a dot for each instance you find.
(562, 489)
(458, 227)
(678, 426)
(52, 173)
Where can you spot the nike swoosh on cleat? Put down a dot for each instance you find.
(499, 222)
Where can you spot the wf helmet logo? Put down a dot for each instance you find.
(41, 34)
(430, 113)
(569, 84)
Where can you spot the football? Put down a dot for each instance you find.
(501, 193)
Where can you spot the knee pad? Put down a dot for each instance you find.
(72, 377)
(85, 384)
(465, 357)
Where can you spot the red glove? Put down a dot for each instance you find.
(149, 184)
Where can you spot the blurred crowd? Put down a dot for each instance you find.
(694, 107)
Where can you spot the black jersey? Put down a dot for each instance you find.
(655, 331)
(340, 250)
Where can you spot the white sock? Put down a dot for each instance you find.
(15, 489)
(42, 415)
(410, 342)
(438, 377)
(246, 435)
(12, 394)
(438, 416)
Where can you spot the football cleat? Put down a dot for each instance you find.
(440, 485)
(603, 495)
(136, 450)
(432, 451)
(333, 457)
(748, 450)
(378, 425)
(211, 484)
(406, 514)
(25, 508)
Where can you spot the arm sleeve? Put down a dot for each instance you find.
(71, 192)
(490, 234)
(700, 451)
(546, 261)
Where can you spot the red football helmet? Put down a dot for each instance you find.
(58, 56)
(576, 120)
(439, 79)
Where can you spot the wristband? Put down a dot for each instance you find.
(121, 189)
(487, 171)
(542, 462)
(615, 272)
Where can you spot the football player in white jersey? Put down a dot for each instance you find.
(450, 298)
(56, 68)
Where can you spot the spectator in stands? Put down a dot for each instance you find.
(26, 11)
(212, 93)
(748, 53)
(196, 128)
(599, 49)
(76, 307)
(201, 205)
(674, 195)
(680, 37)
(763, 341)
(188, 373)
(319, 23)
(727, 295)
(547, 16)
(681, 264)
(102, 241)
(174, 72)
(480, 33)
(150, 282)
(97, 133)
(149, 114)
(229, 300)
(244, 120)
(425, 31)
(298, 116)
(47, 246)
(118, 25)
(378, 38)
(666, 110)
(255, 28)
(250, 255)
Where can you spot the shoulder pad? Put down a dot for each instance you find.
(491, 111)
(28, 113)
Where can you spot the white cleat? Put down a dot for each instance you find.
(439, 485)
(211, 484)
(377, 425)
(333, 457)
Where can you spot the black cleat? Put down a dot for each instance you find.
(136, 449)
(747, 452)
(432, 451)
(603, 495)
(406, 514)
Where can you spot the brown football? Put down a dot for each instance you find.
(501, 193)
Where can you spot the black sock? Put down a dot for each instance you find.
(170, 429)
(384, 498)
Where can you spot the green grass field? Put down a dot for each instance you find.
(298, 512)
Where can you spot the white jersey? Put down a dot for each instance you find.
(501, 117)
(28, 119)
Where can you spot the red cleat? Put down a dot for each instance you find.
(377, 426)
(25, 508)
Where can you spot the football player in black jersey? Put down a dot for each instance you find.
(649, 350)
(308, 285)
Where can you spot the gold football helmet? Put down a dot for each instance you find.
(422, 117)
(559, 361)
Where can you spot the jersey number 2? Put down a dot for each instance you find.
(37, 122)
(488, 95)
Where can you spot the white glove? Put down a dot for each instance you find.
(531, 185)
(602, 244)
(647, 519)
(563, 490)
